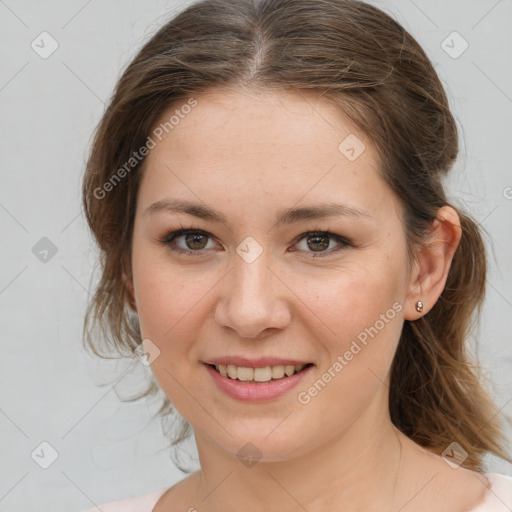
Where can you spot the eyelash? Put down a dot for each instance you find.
(172, 235)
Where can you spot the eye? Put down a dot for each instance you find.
(194, 242)
(320, 241)
(191, 242)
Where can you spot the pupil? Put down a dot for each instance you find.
(319, 237)
(193, 238)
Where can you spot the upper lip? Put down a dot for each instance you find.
(260, 362)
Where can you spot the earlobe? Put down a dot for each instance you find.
(433, 264)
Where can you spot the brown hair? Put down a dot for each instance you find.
(358, 57)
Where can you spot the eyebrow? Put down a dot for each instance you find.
(288, 216)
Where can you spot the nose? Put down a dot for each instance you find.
(253, 299)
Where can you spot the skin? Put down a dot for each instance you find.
(248, 155)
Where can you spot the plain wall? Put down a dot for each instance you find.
(49, 388)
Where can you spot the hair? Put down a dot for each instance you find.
(364, 62)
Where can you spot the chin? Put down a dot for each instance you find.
(262, 442)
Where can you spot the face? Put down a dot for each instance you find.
(266, 273)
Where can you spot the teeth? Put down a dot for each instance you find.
(245, 373)
(278, 372)
(257, 374)
(232, 371)
(289, 370)
(261, 374)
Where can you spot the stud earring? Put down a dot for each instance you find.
(419, 306)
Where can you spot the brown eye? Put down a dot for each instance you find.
(191, 242)
(195, 241)
(322, 243)
(318, 242)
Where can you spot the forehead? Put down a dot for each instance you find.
(273, 145)
(257, 123)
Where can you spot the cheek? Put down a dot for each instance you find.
(165, 303)
(171, 308)
(363, 312)
(355, 298)
(157, 290)
(168, 306)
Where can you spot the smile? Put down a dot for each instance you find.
(264, 374)
(241, 382)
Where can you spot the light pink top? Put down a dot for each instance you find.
(498, 498)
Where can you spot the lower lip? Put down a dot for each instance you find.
(256, 392)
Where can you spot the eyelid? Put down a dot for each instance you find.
(173, 234)
(342, 243)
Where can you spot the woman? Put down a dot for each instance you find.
(266, 191)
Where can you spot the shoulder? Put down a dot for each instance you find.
(142, 503)
(498, 497)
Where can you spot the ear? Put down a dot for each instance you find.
(128, 282)
(430, 272)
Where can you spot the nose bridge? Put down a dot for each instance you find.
(250, 302)
(251, 277)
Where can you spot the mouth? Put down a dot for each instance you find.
(259, 375)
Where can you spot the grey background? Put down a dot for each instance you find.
(50, 390)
